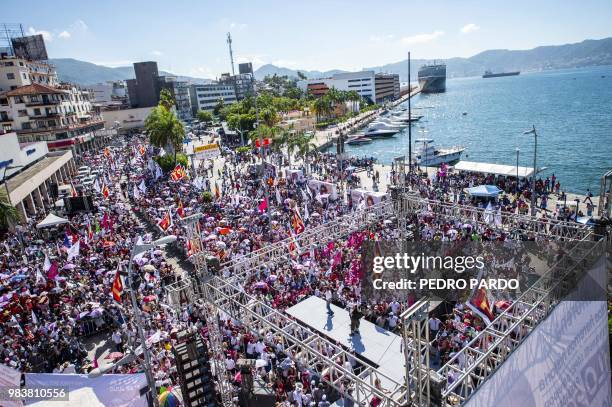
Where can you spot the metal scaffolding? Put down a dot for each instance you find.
(226, 297)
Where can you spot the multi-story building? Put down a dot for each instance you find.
(111, 93)
(243, 83)
(144, 90)
(361, 82)
(62, 116)
(180, 94)
(206, 97)
(16, 72)
(387, 87)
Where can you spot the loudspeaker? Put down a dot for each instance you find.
(193, 368)
(79, 204)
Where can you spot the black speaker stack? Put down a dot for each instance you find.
(193, 368)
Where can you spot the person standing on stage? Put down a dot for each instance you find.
(355, 319)
(328, 299)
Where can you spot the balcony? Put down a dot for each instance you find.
(46, 102)
(75, 126)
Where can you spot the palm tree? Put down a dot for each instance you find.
(8, 213)
(269, 117)
(306, 147)
(165, 129)
(353, 97)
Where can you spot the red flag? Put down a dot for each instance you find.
(179, 209)
(105, 191)
(263, 205)
(107, 152)
(165, 222)
(217, 192)
(117, 287)
(189, 250)
(141, 150)
(178, 173)
(297, 223)
(480, 303)
(53, 271)
(224, 231)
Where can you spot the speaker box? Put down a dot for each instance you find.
(193, 368)
(79, 204)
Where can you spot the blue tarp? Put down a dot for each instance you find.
(489, 191)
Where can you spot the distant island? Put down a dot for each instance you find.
(585, 53)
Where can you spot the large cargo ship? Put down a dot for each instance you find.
(489, 74)
(432, 78)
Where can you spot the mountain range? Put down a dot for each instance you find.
(585, 53)
(87, 73)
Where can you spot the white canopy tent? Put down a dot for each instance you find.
(50, 221)
(496, 169)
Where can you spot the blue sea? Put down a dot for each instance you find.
(571, 110)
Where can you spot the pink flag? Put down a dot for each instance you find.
(53, 272)
(263, 205)
(337, 258)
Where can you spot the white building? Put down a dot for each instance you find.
(16, 72)
(206, 97)
(362, 82)
(31, 173)
(126, 120)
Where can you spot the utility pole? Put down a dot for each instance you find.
(229, 43)
(535, 169)
(409, 120)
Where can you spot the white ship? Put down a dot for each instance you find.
(380, 130)
(426, 154)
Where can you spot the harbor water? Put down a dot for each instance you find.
(571, 110)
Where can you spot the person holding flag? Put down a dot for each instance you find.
(296, 222)
(165, 223)
(117, 288)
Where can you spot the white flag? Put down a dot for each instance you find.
(34, 318)
(74, 250)
(142, 187)
(47, 264)
(136, 193)
(306, 214)
(488, 214)
(14, 321)
(158, 171)
(278, 197)
(498, 217)
(40, 279)
(97, 186)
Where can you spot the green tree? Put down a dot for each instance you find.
(218, 107)
(8, 213)
(165, 129)
(269, 116)
(166, 99)
(204, 116)
(306, 146)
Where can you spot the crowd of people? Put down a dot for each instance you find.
(63, 286)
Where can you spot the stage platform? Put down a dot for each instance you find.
(373, 343)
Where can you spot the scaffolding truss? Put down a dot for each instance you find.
(227, 299)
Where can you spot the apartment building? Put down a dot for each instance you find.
(16, 72)
(387, 87)
(180, 93)
(362, 82)
(206, 97)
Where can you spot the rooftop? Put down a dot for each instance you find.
(33, 89)
(29, 173)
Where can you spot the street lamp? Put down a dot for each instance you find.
(139, 248)
(518, 150)
(535, 169)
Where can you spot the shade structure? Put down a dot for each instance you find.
(486, 191)
(50, 221)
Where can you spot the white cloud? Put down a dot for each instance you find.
(237, 26)
(257, 60)
(46, 34)
(79, 25)
(157, 53)
(113, 64)
(421, 38)
(202, 72)
(64, 34)
(285, 63)
(382, 38)
(469, 28)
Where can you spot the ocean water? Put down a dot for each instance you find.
(571, 110)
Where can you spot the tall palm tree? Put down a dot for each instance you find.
(8, 213)
(165, 129)
(306, 146)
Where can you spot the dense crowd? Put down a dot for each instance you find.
(54, 297)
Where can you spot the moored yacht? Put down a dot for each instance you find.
(380, 130)
(427, 154)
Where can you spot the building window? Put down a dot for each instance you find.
(22, 113)
(26, 126)
(36, 112)
(10, 75)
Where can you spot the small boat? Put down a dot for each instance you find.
(427, 155)
(404, 117)
(380, 130)
(357, 140)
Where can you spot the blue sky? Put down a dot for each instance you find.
(188, 37)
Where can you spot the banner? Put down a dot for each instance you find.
(119, 390)
(207, 151)
(323, 188)
(370, 197)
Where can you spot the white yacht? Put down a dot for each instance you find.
(380, 130)
(427, 154)
(405, 117)
(391, 122)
